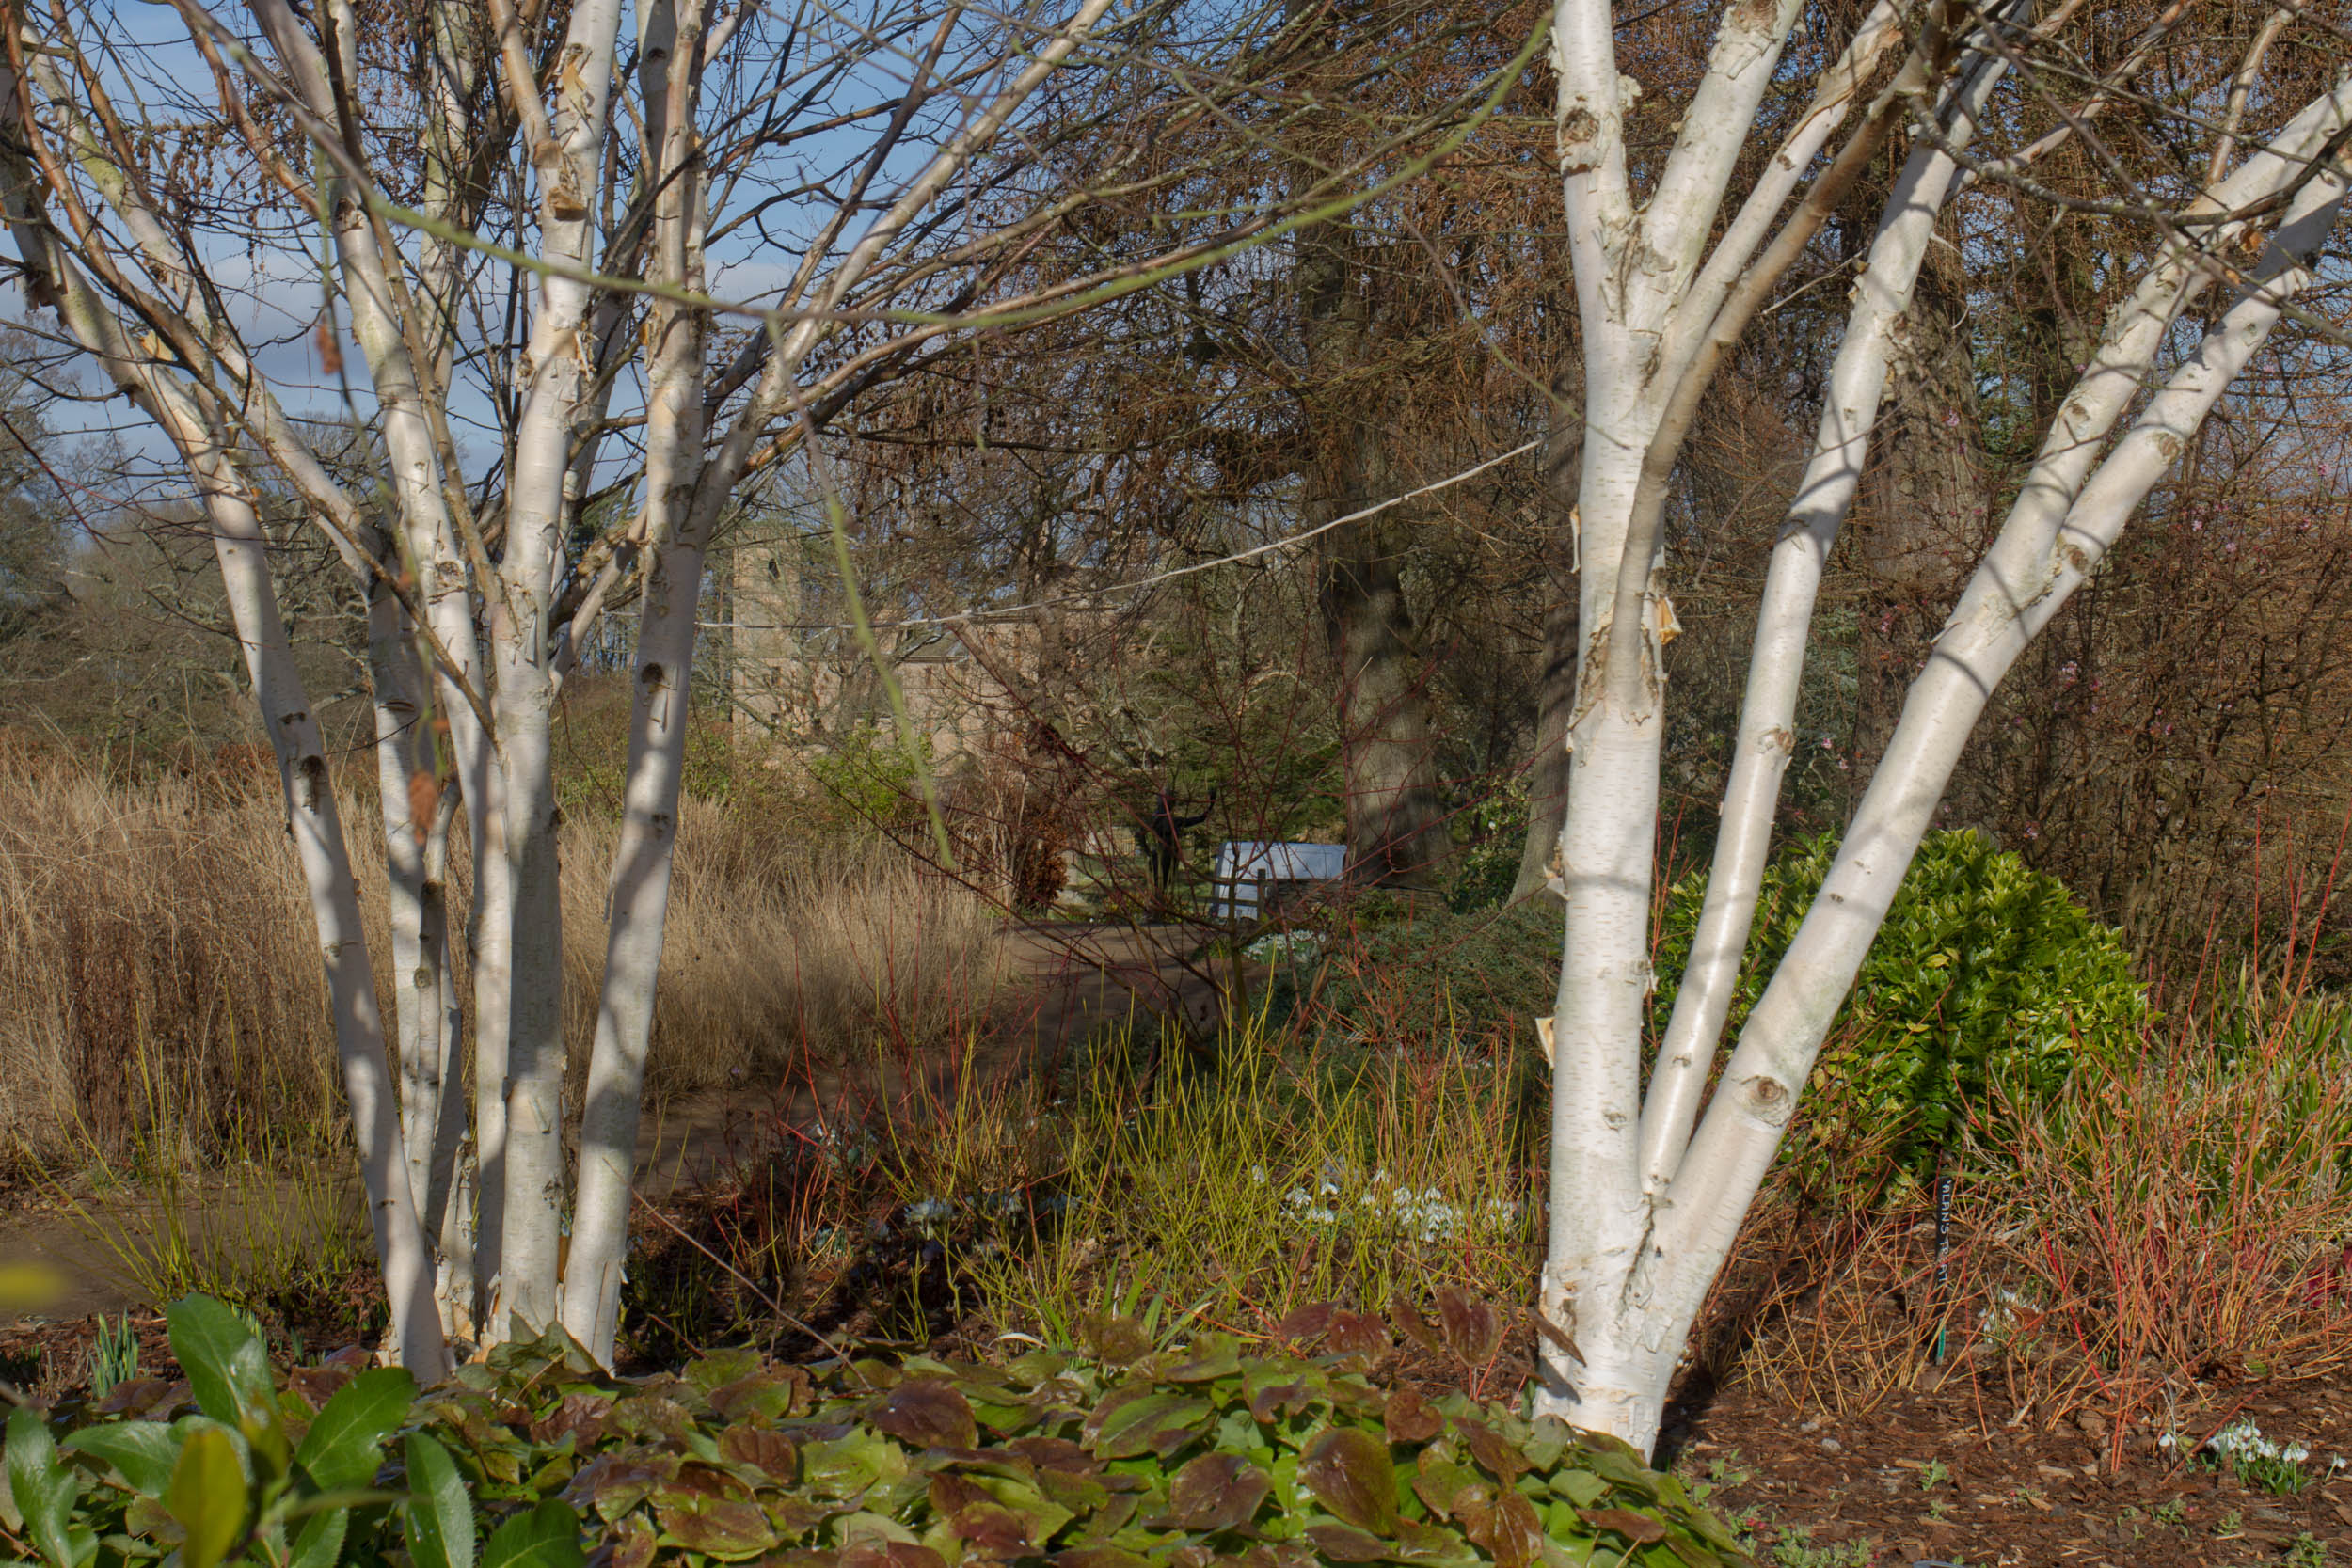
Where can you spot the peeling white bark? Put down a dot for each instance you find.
(1766, 734)
(1642, 1213)
(392, 341)
(2023, 581)
(531, 1235)
(1631, 272)
(313, 820)
(678, 533)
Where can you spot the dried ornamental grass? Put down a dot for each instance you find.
(160, 986)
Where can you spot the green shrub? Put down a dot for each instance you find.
(871, 776)
(1985, 972)
(1133, 1457)
(1487, 867)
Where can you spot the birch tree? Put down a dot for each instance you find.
(508, 215)
(1674, 256)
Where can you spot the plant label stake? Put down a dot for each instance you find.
(1943, 1255)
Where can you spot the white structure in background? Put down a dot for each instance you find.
(1251, 879)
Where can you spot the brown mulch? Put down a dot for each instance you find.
(1944, 1476)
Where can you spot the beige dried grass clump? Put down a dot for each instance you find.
(776, 951)
(156, 988)
(161, 991)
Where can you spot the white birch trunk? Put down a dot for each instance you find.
(312, 818)
(1632, 1260)
(678, 533)
(490, 925)
(2035, 565)
(1766, 735)
(392, 342)
(530, 1235)
(683, 500)
(400, 715)
(1631, 271)
(2030, 572)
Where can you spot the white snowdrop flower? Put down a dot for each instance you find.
(2294, 1453)
(2242, 1437)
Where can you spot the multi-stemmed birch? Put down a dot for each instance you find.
(1647, 1194)
(476, 198)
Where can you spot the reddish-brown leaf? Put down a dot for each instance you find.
(1056, 1454)
(890, 1554)
(1114, 1340)
(1639, 1527)
(1503, 1522)
(1497, 1457)
(1356, 1334)
(1308, 1322)
(1217, 1491)
(1346, 1544)
(928, 1413)
(1467, 1325)
(768, 1452)
(1409, 1418)
(1139, 1420)
(1348, 1471)
(1408, 1323)
(1099, 1557)
(722, 1526)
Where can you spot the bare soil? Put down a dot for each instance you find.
(1940, 1476)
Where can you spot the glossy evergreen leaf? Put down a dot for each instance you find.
(320, 1540)
(207, 1496)
(226, 1362)
(546, 1536)
(439, 1509)
(142, 1453)
(343, 1446)
(42, 1488)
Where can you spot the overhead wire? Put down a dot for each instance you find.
(997, 613)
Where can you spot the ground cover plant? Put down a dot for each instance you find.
(1275, 1453)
